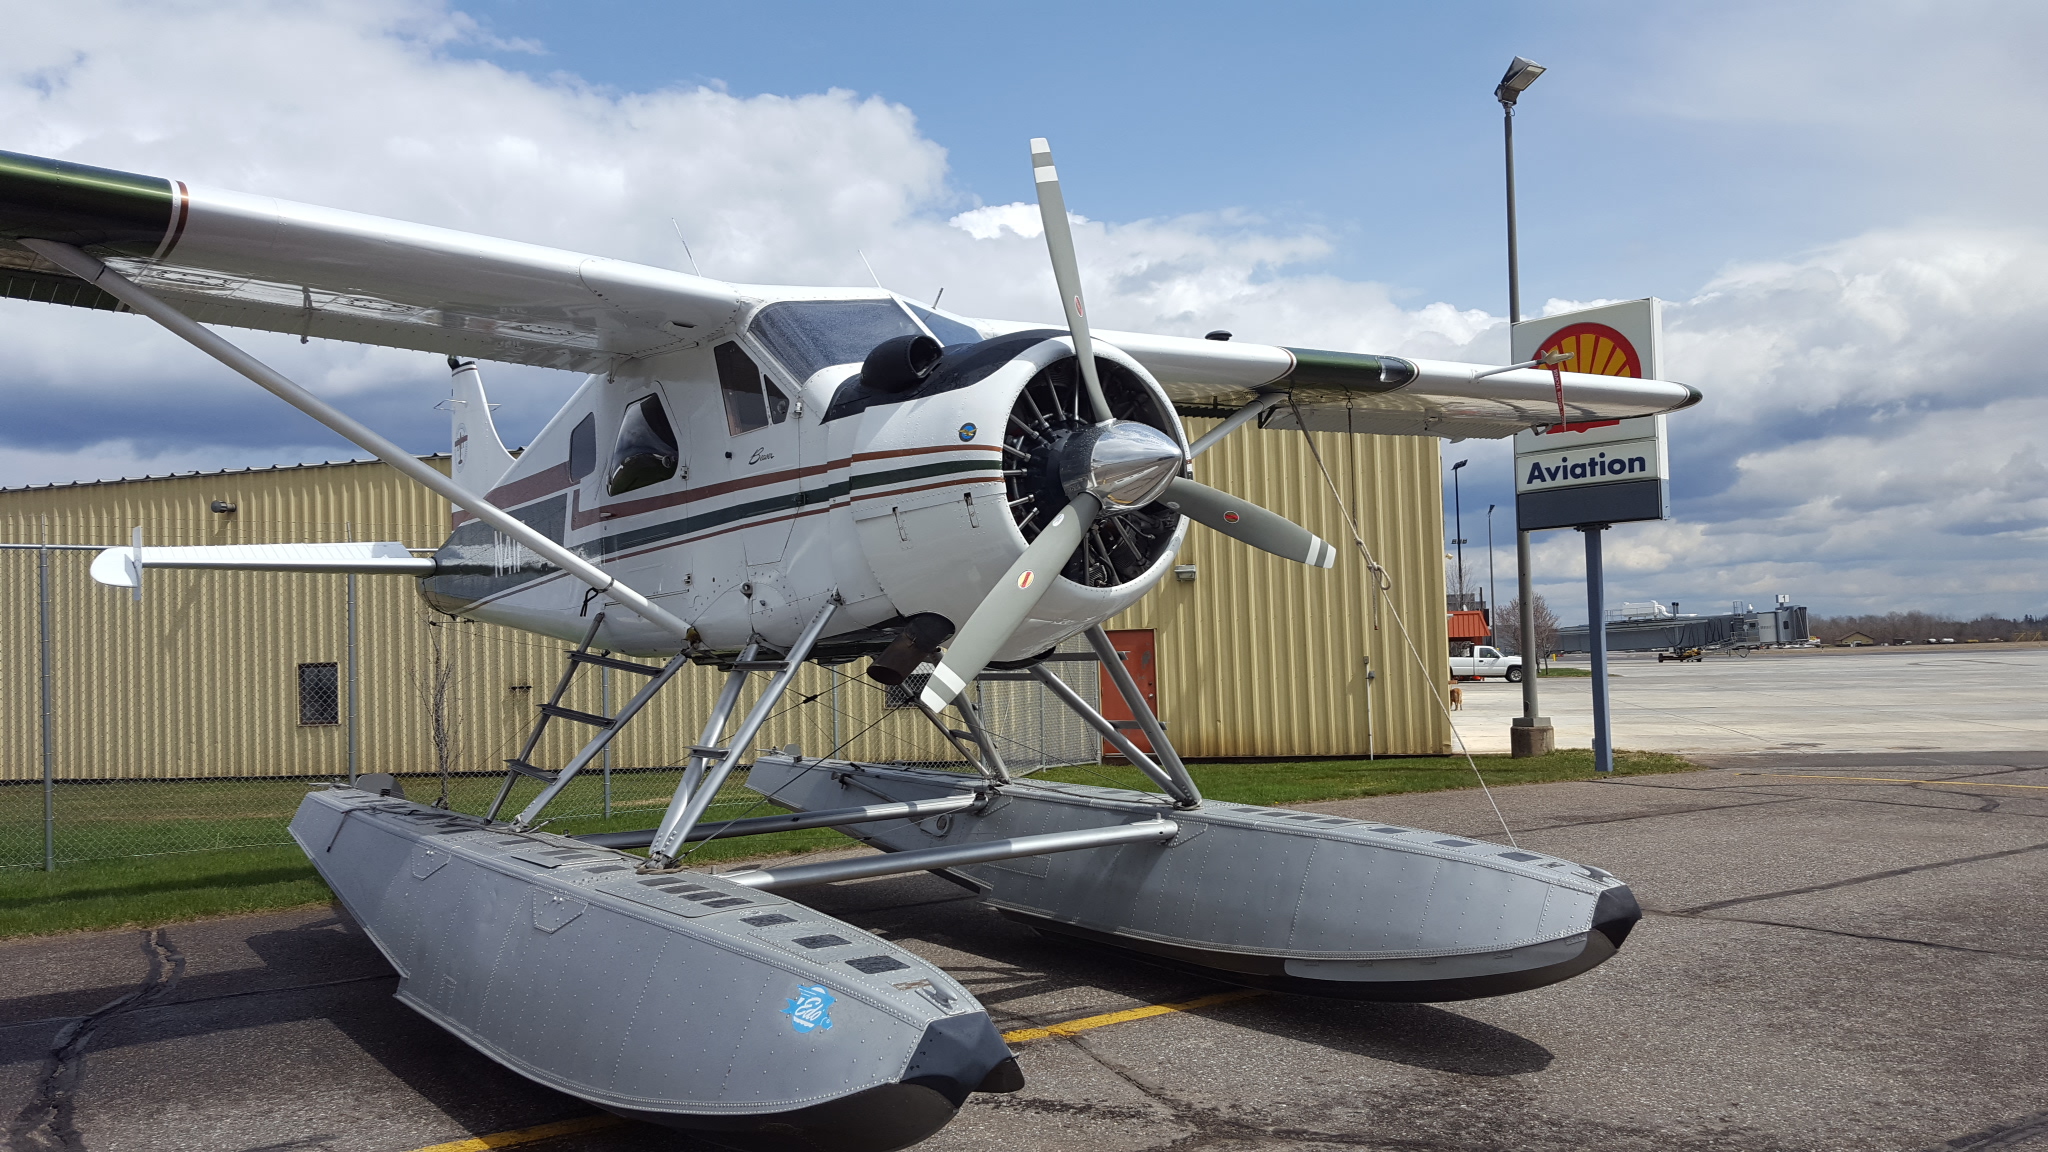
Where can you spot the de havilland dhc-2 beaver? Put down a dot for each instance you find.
(751, 477)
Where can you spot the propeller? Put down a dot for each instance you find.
(1248, 523)
(1066, 271)
(1113, 467)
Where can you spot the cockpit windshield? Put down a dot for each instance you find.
(807, 335)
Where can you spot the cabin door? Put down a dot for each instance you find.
(761, 455)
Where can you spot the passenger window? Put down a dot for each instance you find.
(646, 452)
(583, 448)
(751, 400)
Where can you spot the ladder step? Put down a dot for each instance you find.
(590, 718)
(1133, 725)
(609, 662)
(960, 734)
(525, 769)
(760, 665)
(712, 754)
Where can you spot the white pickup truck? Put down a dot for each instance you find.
(1485, 662)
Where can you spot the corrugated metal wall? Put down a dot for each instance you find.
(1259, 657)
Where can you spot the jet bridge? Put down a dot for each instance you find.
(1654, 632)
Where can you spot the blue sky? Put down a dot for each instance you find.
(1839, 200)
(1371, 123)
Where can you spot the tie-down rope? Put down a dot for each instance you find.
(1385, 584)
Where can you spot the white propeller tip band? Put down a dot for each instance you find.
(942, 688)
(1046, 174)
(1040, 146)
(1322, 554)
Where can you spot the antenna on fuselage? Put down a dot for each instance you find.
(871, 268)
(686, 246)
(939, 297)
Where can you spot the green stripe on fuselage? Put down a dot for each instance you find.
(441, 590)
(91, 207)
(787, 502)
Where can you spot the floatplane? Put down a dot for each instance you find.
(751, 477)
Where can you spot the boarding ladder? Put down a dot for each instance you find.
(553, 781)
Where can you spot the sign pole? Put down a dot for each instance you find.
(1596, 633)
(48, 698)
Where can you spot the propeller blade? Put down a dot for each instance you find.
(1249, 523)
(1066, 271)
(1009, 602)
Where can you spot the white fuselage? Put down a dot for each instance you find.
(897, 508)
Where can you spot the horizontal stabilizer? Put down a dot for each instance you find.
(119, 566)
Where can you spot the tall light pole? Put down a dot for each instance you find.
(1458, 519)
(1491, 600)
(1532, 734)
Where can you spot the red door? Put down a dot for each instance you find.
(1134, 647)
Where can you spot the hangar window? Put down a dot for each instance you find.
(809, 335)
(319, 694)
(583, 448)
(751, 399)
(646, 452)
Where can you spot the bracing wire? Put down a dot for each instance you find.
(1385, 584)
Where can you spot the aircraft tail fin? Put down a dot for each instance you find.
(480, 459)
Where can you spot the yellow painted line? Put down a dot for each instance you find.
(583, 1124)
(1890, 780)
(1086, 1023)
(531, 1135)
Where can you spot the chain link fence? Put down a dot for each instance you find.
(71, 820)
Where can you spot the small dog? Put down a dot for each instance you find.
(1457, 698)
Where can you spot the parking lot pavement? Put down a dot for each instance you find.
(1974, 698)
(1854, 962)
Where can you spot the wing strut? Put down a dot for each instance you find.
(199, 336)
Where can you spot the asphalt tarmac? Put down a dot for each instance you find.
(1845, 962)
(1915, 698)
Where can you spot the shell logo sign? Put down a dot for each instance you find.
(1595, 349)
(1593, 471)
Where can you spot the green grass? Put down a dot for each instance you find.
(1544, 673)
(202, 862)
(147, 852)
(148, 891)
(1301, 782)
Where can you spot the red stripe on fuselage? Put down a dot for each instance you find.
(557, 478)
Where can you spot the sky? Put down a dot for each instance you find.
(1838, 202)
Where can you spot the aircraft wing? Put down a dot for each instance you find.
(1391, 395)
(258, 262)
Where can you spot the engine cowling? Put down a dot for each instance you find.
(1019, 424)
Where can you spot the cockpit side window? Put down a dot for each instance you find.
(751, 400)
(948, 330)
(646, 452)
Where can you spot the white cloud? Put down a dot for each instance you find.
(383, 118)
(990, 221)
(1869, 439)
(1872, 436)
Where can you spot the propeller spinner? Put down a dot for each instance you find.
(1111, 468)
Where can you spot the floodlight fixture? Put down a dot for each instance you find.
(1522, 73)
